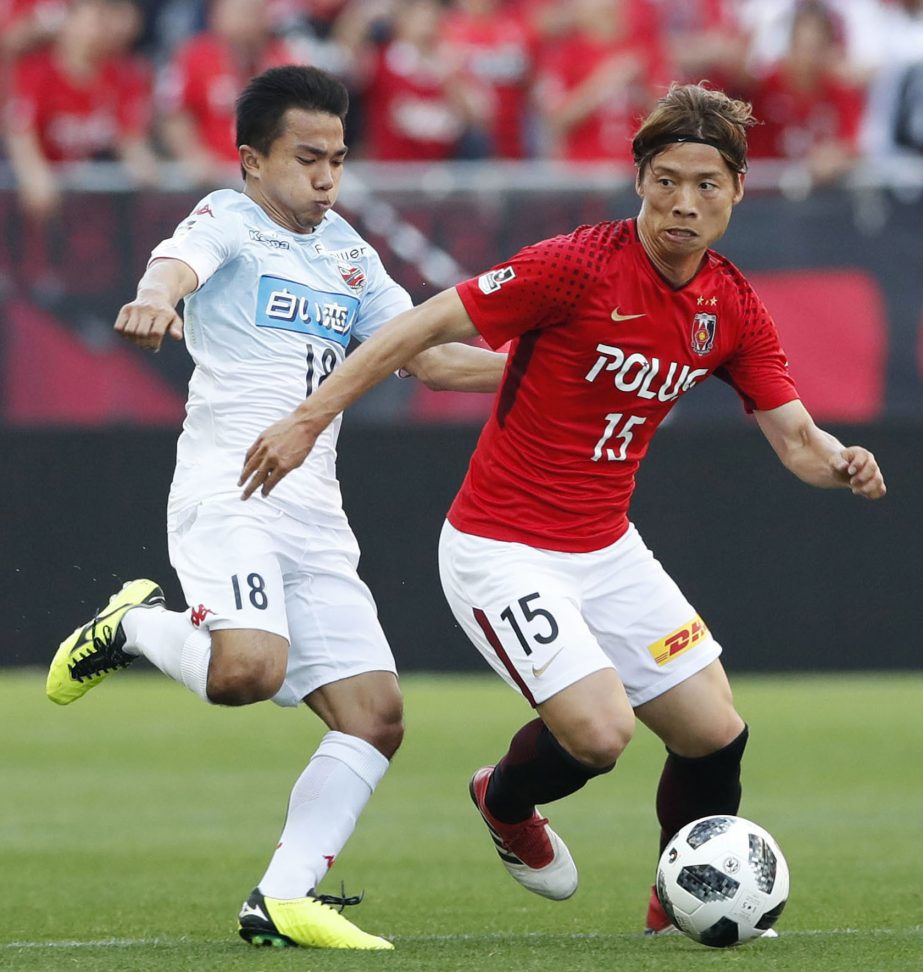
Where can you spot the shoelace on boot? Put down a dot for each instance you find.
(341, 900)
(107, 656)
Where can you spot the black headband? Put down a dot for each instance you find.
(658, 145)
(672, 139)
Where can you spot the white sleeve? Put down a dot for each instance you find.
(207, 239)
(383, 300)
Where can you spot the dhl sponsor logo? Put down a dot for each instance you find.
(679, 641)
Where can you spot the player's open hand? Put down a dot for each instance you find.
(145, 322)
(276, 452)
(859, 468)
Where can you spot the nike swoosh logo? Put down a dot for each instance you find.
(541, 669)
(616, 316)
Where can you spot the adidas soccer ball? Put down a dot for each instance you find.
(722, 880)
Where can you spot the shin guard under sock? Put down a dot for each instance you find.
(698, 787)
(535, 770)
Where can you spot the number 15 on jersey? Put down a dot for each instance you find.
(618, 434)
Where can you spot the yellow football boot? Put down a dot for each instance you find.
(309, 922)
(94, 650)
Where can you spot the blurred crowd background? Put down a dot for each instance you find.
(143, 81)
(476, 126)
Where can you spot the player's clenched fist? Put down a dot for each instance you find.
(860, 469)
(152, 314)
(145, 322)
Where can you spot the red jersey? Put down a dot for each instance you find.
(496, 51)
(410, 115)
(205, 79)
(602, 347)
(606, 133)
(78, 120)
(793, 121)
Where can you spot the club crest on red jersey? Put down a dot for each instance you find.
(353, 276)
(703, 332)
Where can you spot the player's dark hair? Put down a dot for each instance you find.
(265, 100)
(695, 113)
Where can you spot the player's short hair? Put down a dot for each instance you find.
(267, 97)
(695, 113)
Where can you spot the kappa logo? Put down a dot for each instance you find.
(616, 316)
(491, 282)
(205, 210)
(269, 239)
(197, 615)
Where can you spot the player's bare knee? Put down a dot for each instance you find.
(243, 681)
(388, 737)
(602, 743)
(383, 729)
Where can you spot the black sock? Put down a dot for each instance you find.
(698, 787)
(535, 770)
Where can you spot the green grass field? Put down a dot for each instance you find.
(133, 823)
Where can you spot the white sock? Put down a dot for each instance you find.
(169, 640)
(322, 811)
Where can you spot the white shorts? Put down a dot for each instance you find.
(544, 619)
(249, 565)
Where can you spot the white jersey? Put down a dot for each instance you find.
(272, 316)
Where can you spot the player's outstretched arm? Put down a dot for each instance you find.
(458, 367)
(285, 445)
(815, 456)
(152, 314)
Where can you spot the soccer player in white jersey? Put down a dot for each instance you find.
(276, 285)
(609, 325)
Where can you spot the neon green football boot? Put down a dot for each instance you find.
(94, 650)
(310, 922)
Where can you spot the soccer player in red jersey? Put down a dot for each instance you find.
(609, 325)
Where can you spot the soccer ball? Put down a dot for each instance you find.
(722, 880)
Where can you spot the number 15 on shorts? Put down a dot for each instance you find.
(527, 622)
